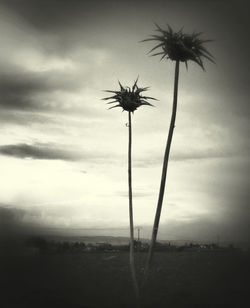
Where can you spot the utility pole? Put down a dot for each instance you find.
(138, 238)
(138, 233)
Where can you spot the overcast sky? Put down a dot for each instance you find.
(63, 155)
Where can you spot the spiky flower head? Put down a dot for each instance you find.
(179, 46)
(129, 99)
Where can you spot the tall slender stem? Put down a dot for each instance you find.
(164, 172)
(131, 251)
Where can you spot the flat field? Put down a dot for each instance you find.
(208, 279)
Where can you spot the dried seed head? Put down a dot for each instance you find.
(129, 99)
(178, 46)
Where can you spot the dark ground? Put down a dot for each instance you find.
(208, 279)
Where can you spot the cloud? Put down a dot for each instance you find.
(28, 96)
(36, 76)
(52, 151)
(38, 151)
(44, 14)
(20, 89)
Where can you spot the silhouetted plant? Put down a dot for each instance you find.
(178, 47)
(130, 99)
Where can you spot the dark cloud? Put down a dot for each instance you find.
(51, 14)
(57, 15)
(20, 89)
(70, 23)
(50, 151)
(38, 151)
(17, 90)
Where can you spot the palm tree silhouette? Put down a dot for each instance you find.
(178, 47)
(130, 99)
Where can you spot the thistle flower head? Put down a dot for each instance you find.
(129, 99)
(179, 46)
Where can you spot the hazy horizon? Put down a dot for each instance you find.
(14, 223)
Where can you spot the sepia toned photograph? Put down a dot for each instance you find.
(124, 154)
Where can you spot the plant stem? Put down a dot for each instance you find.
(131, 251)
(164, 172)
